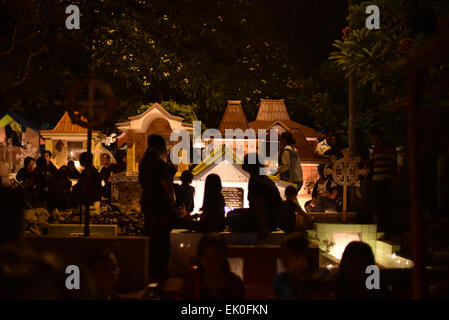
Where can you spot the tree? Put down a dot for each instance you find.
(189, 51)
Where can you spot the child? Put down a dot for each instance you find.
(292, 215)
(212, 279)
(292, 284)
(188, 190)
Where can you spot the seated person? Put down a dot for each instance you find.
(291, 215)
(293, 283)
(325, 195)
(212, 279)
(27, 176)
(264, 202)
(212, 218)
(105, 270)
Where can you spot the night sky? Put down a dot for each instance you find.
(315, 23)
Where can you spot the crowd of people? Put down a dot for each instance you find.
(166, 205)
(48, 187)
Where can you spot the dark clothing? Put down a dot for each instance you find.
(44, 175)
(213, 216)
(88, 187)
(157, 211)
(287, 217)
(324, 203)
(74, 174)
(59, 195)
(262, 187)
(105, 174)
(152, 170)
(194, 288)
(188, 197)
(28, 181)
(51, 170)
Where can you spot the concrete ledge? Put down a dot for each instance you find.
(73, 230)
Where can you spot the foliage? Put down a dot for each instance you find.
(188, 112)
(192, 52)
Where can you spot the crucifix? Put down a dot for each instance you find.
(345, 172)
(91, 114)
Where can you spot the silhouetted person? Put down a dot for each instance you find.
(105, 270)
(212, 279)
(106, 171)
(73, 172)
(59, 195)
(291, 215)
(212, 218)
(43, 179)
(289, 169)
(88, 188)
(383, 168)
(157, 203)
(188, 190)
(264, 200)
(351, 280)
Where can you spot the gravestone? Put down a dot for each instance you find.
(233, 197)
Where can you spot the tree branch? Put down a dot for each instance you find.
(28, 63)
(13, 43)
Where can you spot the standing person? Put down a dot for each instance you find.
(188, 190)
(88, 188)
(383, 168)
(290, 169)
(59, 191)
(107, 169)
(157, 203)
(72, 171)
(212, 279)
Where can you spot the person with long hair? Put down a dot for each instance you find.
(213, 215)
(212, 278)
(157, 203)
(351, 279)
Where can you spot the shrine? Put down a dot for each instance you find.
(67, 140)
(273, 114)
(155, 120)
(19, 138)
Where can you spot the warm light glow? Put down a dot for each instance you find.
(341, 240)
